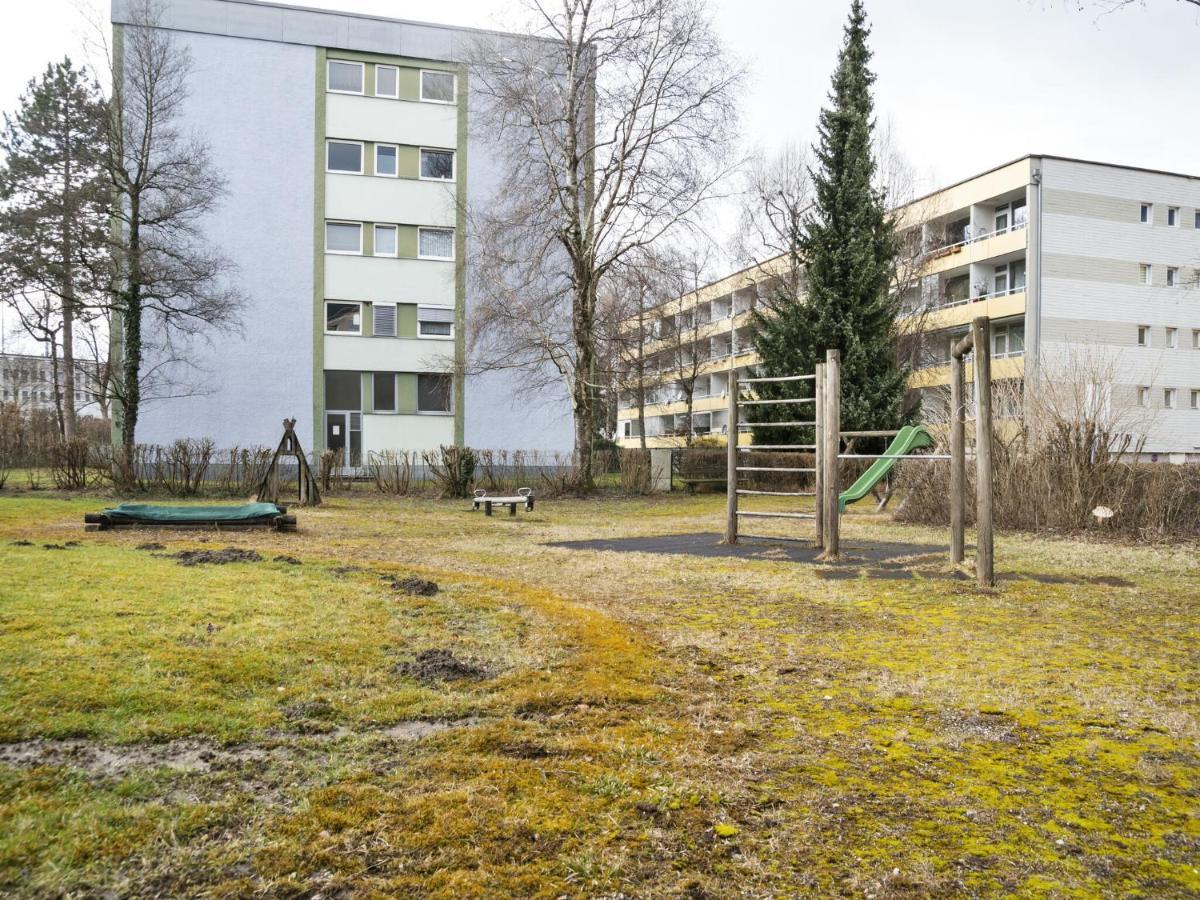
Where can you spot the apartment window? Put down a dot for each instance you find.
(1008, 340)
(433, 393)
(1020, 214)
(435, 243)
(1172, 276)
(1147, 214)
(1000, 280)
(1169, 398)
(385, 160)
(435, 321)
(1195, 399)
(1017, 267)
(1001, 220)
(1143, 335)
(344, 156)
(437, 87)
(385, 240)
(345, 77)
(1146, 273)
(387, 81)
(1144, 396)
(1198, 218)
(1172, 338)
(437, 165)
(343, 237)
(343, 318)
(384, 399)
(1173, 216)
(383, 320)
(1196, 338)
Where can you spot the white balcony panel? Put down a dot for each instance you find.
(374, 199)
(389, 280)
(372, 354)
(390, 121)
(406, 432)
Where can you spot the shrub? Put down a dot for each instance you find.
(452, 470)
(636, 475)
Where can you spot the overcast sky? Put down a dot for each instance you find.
(966, 84)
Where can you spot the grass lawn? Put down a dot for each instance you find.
(557, 721)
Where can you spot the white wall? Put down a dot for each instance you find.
(258, 120)
(400, 432)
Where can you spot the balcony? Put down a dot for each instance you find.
(975, 247)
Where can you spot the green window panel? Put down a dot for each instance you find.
(406, 322)
(406, 392)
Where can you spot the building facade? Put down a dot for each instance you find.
(27, 381)
(350, 154)
(1078, 264)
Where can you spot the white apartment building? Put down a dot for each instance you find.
(349, 148)
(1076, 262)
(27, 381)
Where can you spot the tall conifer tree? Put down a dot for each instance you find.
(849, 248)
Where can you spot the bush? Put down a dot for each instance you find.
(636, 476)
(452, 470)
(69, 464)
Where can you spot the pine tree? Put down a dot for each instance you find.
(53, 214)
(849, 248)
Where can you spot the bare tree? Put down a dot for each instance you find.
(612, 129)
(777, 194)
(165, 183)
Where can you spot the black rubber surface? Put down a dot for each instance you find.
(709, 544)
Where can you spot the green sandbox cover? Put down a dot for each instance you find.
(148, 512)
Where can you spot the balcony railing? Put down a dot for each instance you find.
(947, 302)
(974, 235)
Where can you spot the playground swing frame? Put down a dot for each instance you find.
(827, 423)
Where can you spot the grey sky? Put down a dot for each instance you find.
(966, 84)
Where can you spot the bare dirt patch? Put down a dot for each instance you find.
(151, 545)
(215, 557)
(418, 587)
(439, 664)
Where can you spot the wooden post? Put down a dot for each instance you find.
(819, 454)
(958, 463)
(833, 447)
(985, 571)
(731, 479)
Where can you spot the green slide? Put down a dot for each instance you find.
(910, 438)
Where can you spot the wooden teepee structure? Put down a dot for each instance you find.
(306, 483)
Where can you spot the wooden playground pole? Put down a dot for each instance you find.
(981, 333)
(819, 454)
(731, 481)
(832, 446)
(958, 463)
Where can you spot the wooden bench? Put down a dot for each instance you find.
(524, 498)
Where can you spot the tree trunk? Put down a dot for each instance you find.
(68, 291)
(131, 350)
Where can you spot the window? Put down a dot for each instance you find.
(1173, 216)
(1143, 335)
(1020, 214)
(1017, 267)
(437, 165)
(1198, 218)
(437, 87)
(1196, 338)
(1172, 276)
(343, 237)
(1172, 338)
(385, 240)
(1008, 340)
(343, 318)
(1169, 398)
(345, 77)
(1195, 399)
(1000, 280)
(385, 392)
(1147, 214)
(383, 320)
(433, 393)
(385, 160)
(1001, 220)
(387, 81)
(1143, 396)
(435, 243)
(343, 390)
(1146, 273)
(435, 321)
(344, 156)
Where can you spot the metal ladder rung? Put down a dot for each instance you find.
(754, 447)
(776, 515)
(775, 469)
(778, 493)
